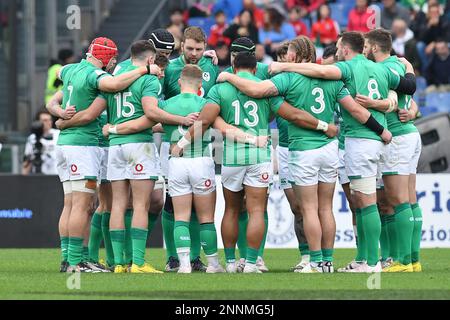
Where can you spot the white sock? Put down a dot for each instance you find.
(213, 260)
(184, 257)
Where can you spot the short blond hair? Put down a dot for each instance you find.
(194, 33)
(192, 75)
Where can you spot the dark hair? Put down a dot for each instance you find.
(64, 54)
(282, 49)
(441, 39)
(161, 60)
(381, 38)
(329, 51)
(140, 48)
(244, 60)
(176, 10)
(41, 112)
(252, 18)
(218, 13)
(276, 19)
(319, 17)
(354, 40)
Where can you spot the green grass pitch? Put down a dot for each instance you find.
(33, 274)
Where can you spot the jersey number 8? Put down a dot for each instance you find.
(122, 103)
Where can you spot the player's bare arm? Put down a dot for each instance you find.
(129, 127)
(312, 70)
(55, 109)
(406, 115)
(363, 116)
(150, 106)
(305, 120)
(124, 80)
(385, 105)
(231, 132)
(84, 117)
(251, 88)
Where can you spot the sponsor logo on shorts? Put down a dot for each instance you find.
(265, 176)
(73, 168)
(208, 183)
(138, 170)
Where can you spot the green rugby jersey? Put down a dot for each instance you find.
(365, 77)
(341, 135)
(172, 73)
(183, 105)
(395, 126)
(248, 114)
(283, 131)
(262, 71)
(80, 89)
(102, 140)
(127, 105)
(315, 96)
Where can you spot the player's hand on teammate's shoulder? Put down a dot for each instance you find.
(68, 113)
(156, 71)
(190, 119)
(60, 124)
(408, 65)
(332, 131)
(364, 101)
(386, 136)
(213, 55)
(223, 77)
(276, 67)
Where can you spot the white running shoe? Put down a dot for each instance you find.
(375, 269)
(352, 265)
(387, 263)
(240, 265)
(251, 268)
(261, 265)
(187, 269)
(215, 269)
(327, 267)
(311, 268)
(358, 268)
(301, 264)
(231, 267)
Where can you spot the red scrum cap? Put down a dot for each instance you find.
(103, 49)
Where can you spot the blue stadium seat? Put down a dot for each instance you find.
(340, 11)
(204, 23)
(426, 111)
(421, 84)
(439, 101)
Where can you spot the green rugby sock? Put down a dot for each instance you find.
(392, 234)
(316, 256)
(208, 238)
(152, 218)
(139, 238)
(107, 238)
(181, 235)
(64, 248)
(327, 255)
(372, 230)
(118, 243)
(252, 255)
(404, 222)
(85, 256)
(384, 238)
(417, 232)
(304, 249)
(128, 246)
(263, 242)
(168, 222)
(194, 230)
(242, 234)
(95, 236)
(75, 250)
(361, 249)
(230, 254)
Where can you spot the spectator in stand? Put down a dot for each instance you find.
(361, 17)
(392, 10)
(258, 14)
(244, 27)
(326, 30)
(223, 54)
(438, 70)
(176, 28)
(295, 20)
(261, 55)
(275, 31)
(216, 34)
(199, 10)
(232, 8)
(436, 27)
(404, 44)
(306, 6)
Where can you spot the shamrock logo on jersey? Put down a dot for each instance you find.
(206, 76)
